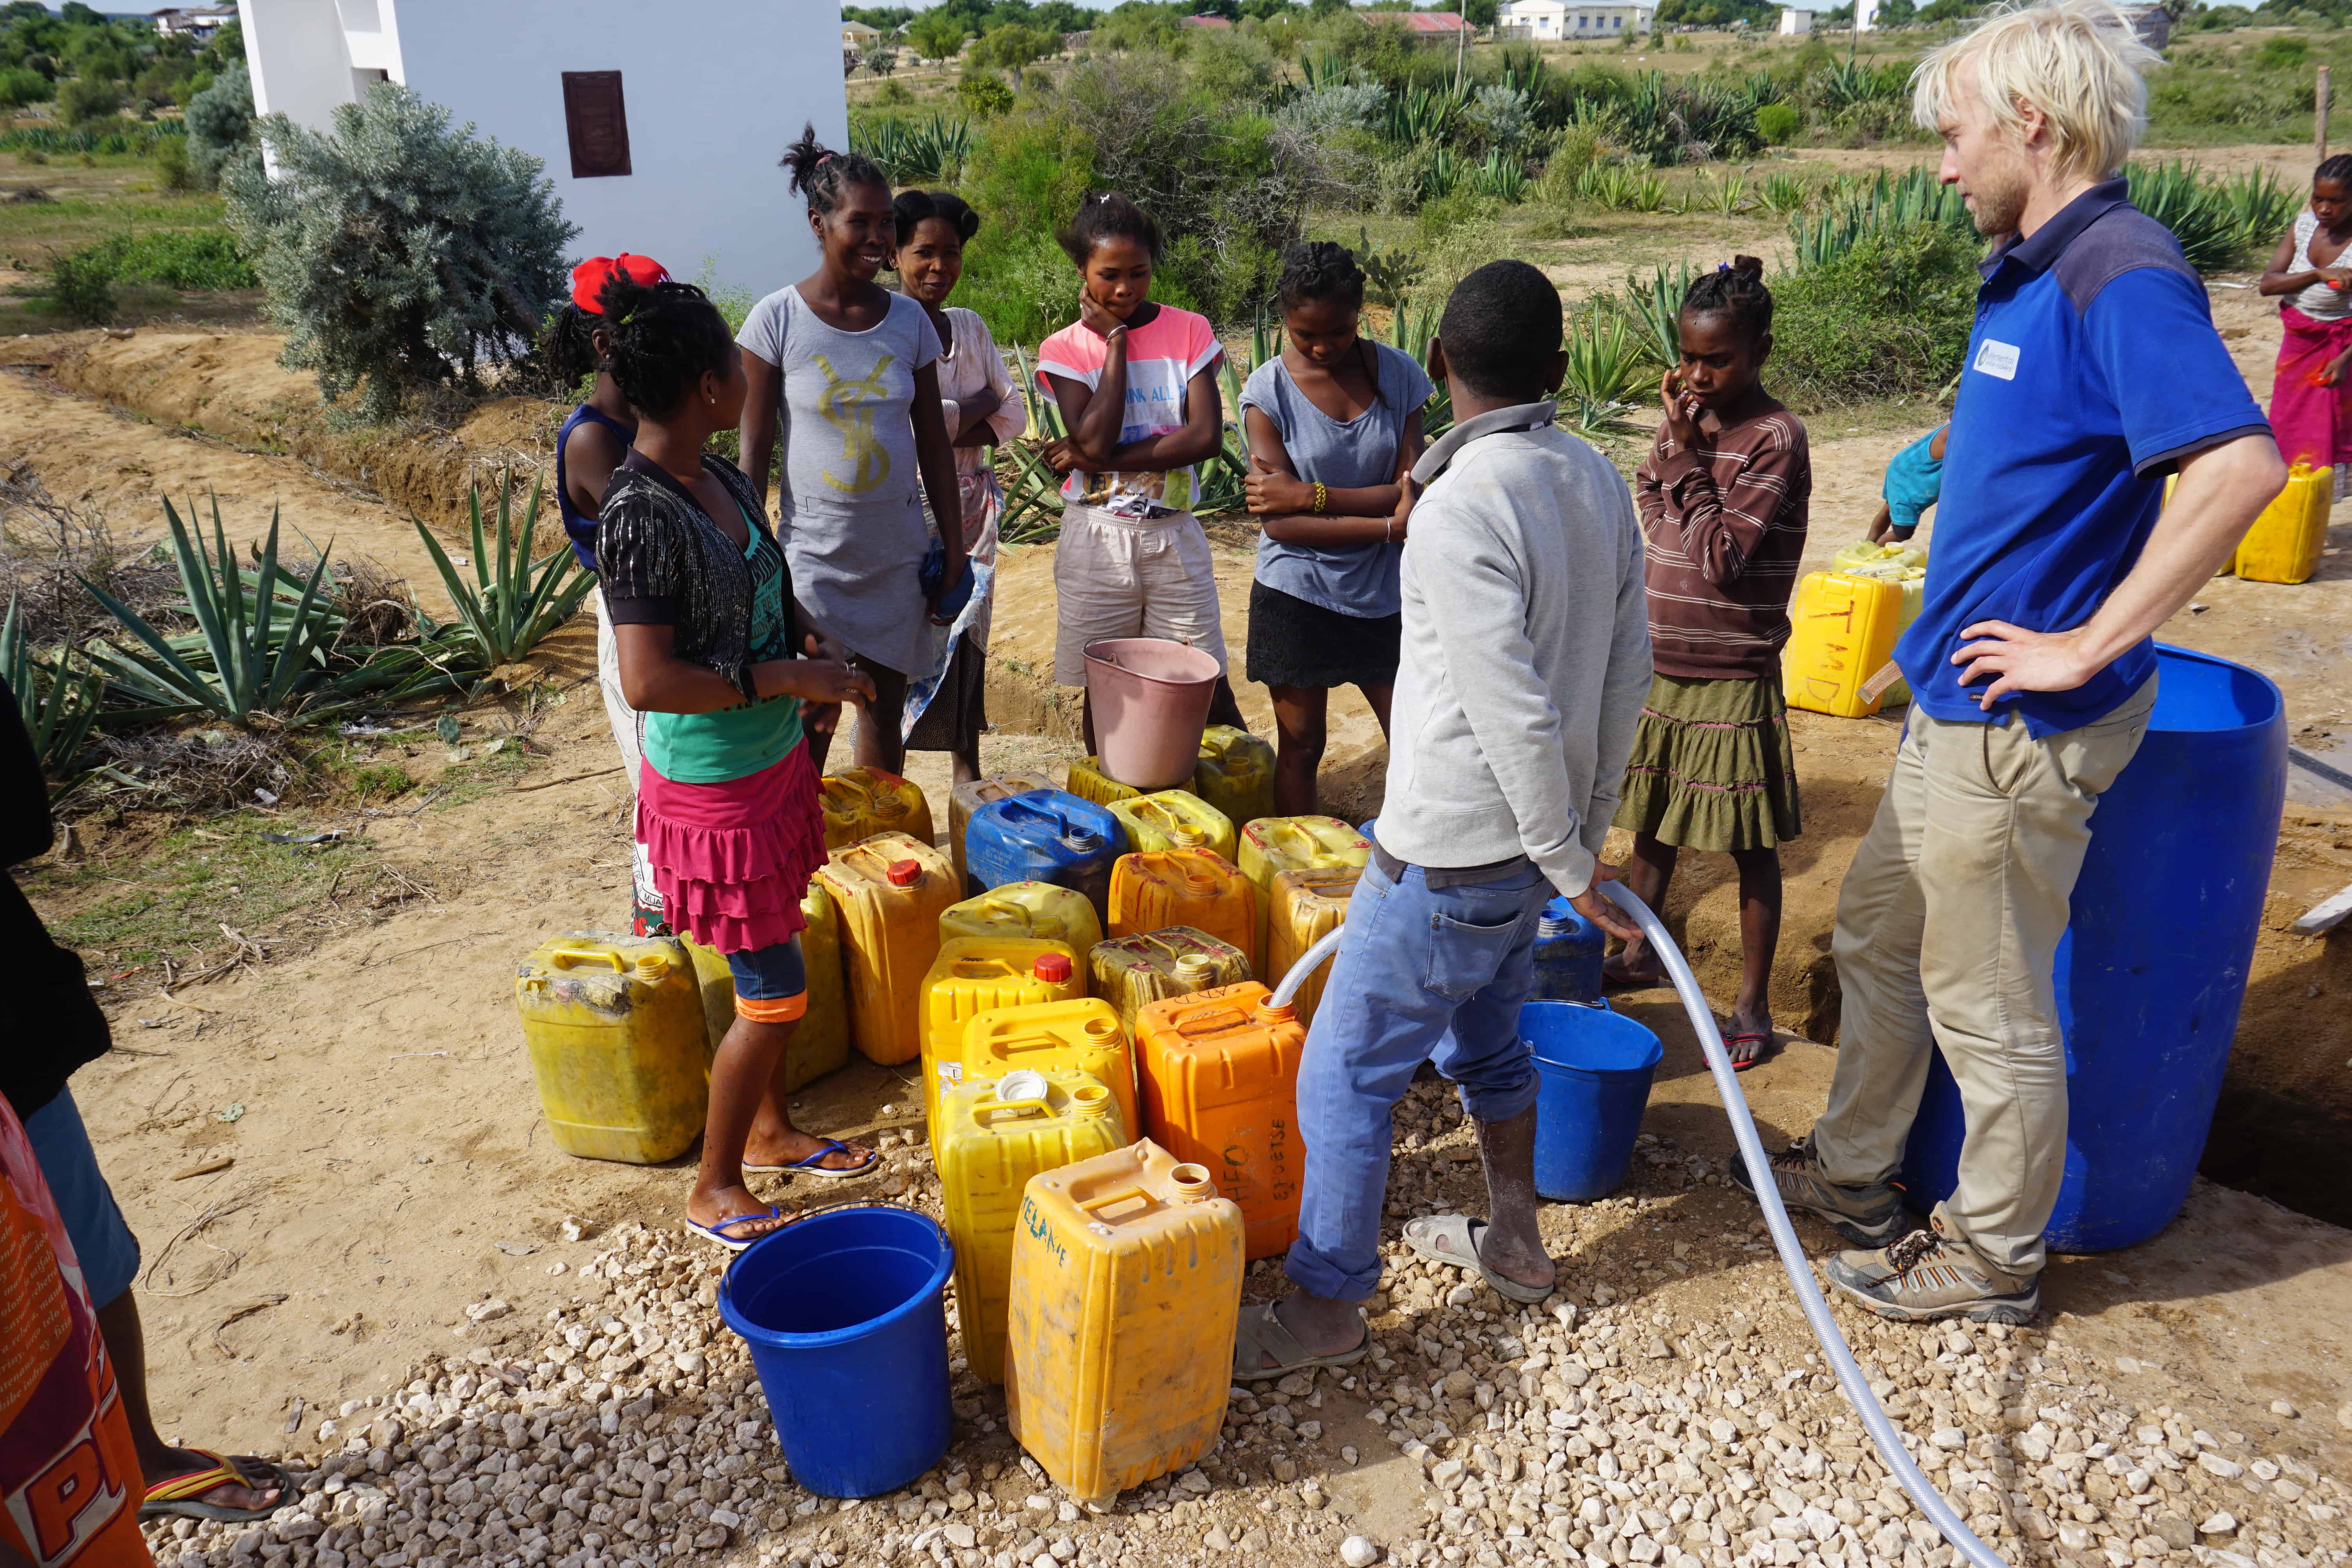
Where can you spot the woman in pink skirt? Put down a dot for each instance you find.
(2311, 392)
(701, 604)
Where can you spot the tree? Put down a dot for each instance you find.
(395, 251)
(880, 58)
(936, 35)
(1010, 46)
(1479, 13)
(85, 99)
(220, 125)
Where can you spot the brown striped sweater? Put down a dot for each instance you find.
(1725, 524)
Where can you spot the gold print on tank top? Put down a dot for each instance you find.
(848, 406)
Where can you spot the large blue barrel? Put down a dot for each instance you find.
(844, 1318)
(2153, 966)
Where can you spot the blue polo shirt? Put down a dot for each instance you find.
(2094, 368)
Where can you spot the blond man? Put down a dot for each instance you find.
(2093, 371)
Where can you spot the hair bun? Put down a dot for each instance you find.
(1749, 266)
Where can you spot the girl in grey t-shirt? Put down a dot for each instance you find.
(850, 367)
(1333, 425)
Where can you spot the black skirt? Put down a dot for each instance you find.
(1295, 643)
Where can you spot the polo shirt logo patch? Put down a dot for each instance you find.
(1996, 358)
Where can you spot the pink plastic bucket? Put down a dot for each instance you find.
(1151, 701)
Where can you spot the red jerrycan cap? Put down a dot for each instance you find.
(1052, 967)
(906, 873)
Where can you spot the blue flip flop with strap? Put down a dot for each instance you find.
(717, 1230)
(808, 1165)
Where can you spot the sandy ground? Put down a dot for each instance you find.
(390, 1167)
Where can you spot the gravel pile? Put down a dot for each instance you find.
(1667, 1408)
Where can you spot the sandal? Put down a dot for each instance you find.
(1763, 1044)
(1462, 1230)
(1261, 1332)
(716, 1229)
(808, 1166)
(182, 1495)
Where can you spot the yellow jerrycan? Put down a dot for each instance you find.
(2283, 545)
(974, 974)
(1195, 887)
(1088, 781)
(989, 1147)
(1236, 773)
(1174, 819)
(1132, 972)
(890, 890)
(1082, 1035)
(964, 799)
(1276, 844)
(1026, 910)
(820, 1042)
(1843, 632)
(862, 802)
(1889, 559)
(1221, 1089)
(618, 1046)
(1306, 905)
(1127, 1275)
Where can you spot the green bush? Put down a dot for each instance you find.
(81, 283)
(1778, 123)
(85, 99)
(21, 85)
(220, 125)
(172, 164)
(398, 251)
(983, 94)
(1887, 318)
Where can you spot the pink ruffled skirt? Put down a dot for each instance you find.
(733, 860)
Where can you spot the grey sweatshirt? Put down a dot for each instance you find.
(1527, 651)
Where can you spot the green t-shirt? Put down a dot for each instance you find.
(730, 743)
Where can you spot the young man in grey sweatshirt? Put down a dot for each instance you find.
(1526, 660)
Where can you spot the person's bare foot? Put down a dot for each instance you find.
(171, 1464)
(1512, 1258)
(1321, 1326)
(1748, 1036)
(1633, 968)
(715, 1208)
(791, 1146)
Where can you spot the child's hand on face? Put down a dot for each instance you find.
(1681, 408)
(1096, 317)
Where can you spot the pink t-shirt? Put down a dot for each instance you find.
(1162, 358)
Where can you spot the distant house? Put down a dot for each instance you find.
(620, 111)
(1795, 21)
(855, 36)
(1550, 21)
(196, 22)
(1424, 27)
(1205, 20)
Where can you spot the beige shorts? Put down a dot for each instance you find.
(1131, 577)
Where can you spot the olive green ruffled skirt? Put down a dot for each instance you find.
(1712, 767)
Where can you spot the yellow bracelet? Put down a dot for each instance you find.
(1322, 496)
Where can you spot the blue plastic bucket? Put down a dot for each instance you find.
(847, 1328)
(1595, 1066)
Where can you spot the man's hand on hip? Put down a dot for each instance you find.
(2020, 660)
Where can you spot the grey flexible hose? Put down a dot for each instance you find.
(1883, 1432)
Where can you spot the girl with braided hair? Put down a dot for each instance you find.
(851, 369)
(1334, 426)
(701, 601)
(2311, 391)
(1724, 496)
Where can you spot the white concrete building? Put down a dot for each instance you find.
(1558, 21)
(661, 137)
(199, 22)
(1795, 21)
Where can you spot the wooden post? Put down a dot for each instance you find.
(2319, 116)
(1461, 46)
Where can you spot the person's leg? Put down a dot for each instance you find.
(1099, 594)
(878, 743)
(782, 988)
(1299, 715)
(1760, 937)
(1648, 873)
(1377, 697)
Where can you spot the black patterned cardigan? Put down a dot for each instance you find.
(662, 562)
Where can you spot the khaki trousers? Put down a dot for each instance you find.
(1947, 926)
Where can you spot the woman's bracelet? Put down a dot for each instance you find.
(1322, 496)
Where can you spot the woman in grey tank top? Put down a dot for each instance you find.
(850, 367)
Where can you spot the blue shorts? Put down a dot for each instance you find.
(770, 983)
(102, 1243)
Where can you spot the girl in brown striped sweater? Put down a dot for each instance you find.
(1723, 496)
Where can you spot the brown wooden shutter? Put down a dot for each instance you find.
(597, 124)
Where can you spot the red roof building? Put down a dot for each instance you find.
(1427, 26)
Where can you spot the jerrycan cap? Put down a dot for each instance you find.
(1053, 968)
(1084, 840)
(1188, 835)
(906, 873)
(1100, 1030)
(1023, 1085)
(1196, 966)
(1268, 1013)
(1192, 1184)
(653, 967)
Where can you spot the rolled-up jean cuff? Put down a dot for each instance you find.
(102, 1243)
(1317, 1276)
(1501, 1102)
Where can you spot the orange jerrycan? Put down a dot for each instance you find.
(820, 1042)
(1194, 887)
(1306, 905)
(618, 1045)
(2283, 545)
(862, 802)
(989, 1146)
(1080, 1036)
(1843, 633)
(964, 799)
(1278, 844)
(974, 974)
(1127, 1275)
(1221, 1088)
(1088, 781)
(891, 890)
(1026, 910)
(1131, 971)
(1236, 773)
(1174, 819)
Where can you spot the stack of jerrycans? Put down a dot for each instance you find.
(862, 802)
(987, 1148)
(1134, 971)
(1158, 888)
(1221, 1088)
(1127, 1275)
(891, 891)
(966, 798)
(976, 974)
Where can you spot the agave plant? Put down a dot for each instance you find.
(1033, 501)
(1727, 195)
(1607, 369)
(1655, 305)
(1647, 195)
(915, 151)
(2215, 220)
(1501, 176)
(513, 600)
(1782, 195)
(57, 699)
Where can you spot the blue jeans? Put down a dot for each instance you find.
(102, 1243)
(1424, 973)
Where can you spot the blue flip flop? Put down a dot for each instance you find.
(808, 1166)
(718, 1232)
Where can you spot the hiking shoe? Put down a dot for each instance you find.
(1868, 1216)
(1928, 1275)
